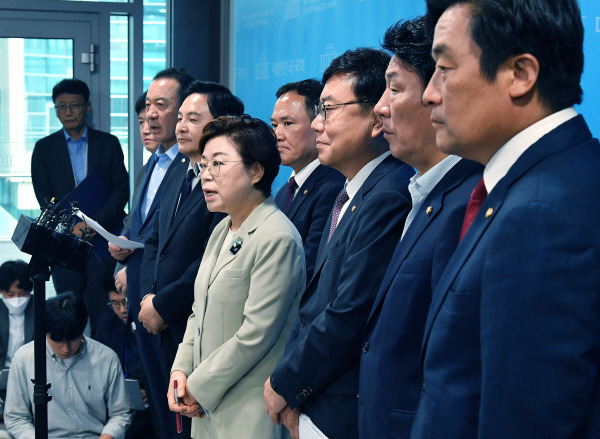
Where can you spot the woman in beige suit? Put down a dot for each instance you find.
(247, 289)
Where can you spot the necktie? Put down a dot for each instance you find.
(186, 188)
(477, 198)
(289, 194)
(337, 207)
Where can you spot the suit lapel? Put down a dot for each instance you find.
(62, 160)
(244, 233)
(157, 198)
(305, 190)
(29, 321)
(430, 209)
(570, 133)
(171, 195)
(94, 151)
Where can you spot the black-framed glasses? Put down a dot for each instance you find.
(213, 169)
(321, 108)
(75, 108)
(116, 304)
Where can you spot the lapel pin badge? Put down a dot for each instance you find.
(353, 209)
(236, 246)
(429, 210)
(489, 212)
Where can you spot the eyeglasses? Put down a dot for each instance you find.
(116, 304)
(321, 109)
(215, 168)
(75, 108)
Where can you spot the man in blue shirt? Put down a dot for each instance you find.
(60, 162)
(87, 385)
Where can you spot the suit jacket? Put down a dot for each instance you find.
(140, 230)
(512, 341)
(319, 371)
(172, 255)
(390, 374)
(245, 305)
(4, 330)
(311, 208)
(52, 173)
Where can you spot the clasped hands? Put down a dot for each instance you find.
(188, 405)
(279, 411)
(149, 317)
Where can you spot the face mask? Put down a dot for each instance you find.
(16, 305)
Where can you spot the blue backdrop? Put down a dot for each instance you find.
(280, 41)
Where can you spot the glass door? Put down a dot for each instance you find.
(36, 51)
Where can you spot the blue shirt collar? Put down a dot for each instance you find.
(83, 137)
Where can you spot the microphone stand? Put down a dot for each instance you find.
(50, 241)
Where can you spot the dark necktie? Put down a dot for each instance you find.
(186, 188)
(477, 198)
(337, 207)
(289, 194)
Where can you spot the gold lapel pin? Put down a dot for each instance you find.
(429, 210)
(353, 209)
(305, 191)
(488, 213)
(183, 160)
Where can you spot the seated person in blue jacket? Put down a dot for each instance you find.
(114, 331)
(87, 385)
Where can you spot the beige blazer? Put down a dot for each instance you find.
(245, 306)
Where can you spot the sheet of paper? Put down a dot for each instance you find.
(113, 239)
(308, 430)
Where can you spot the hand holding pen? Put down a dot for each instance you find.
(181, 401)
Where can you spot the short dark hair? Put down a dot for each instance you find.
(309, 88)
(181, 76)
(66, 317)
(367, 67)
(410, 41)
(551, 31)
(71, 86)
(107, 284)
(221, 102)
(12, 271)
(140, 104)
(254, 140)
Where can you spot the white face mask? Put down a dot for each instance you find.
(16, 305)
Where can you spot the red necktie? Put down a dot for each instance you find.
(477, 198)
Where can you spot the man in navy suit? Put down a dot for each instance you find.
(60, 162)
(512, 340)
(390, 376)
(137, 221)
(312, 187)
(173, 252)
(318, 374)
(166, 93)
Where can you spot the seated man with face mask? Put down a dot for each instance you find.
(16, 310)
(16, 313)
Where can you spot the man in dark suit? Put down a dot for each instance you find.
(311, 190)
(173, 252)
(137, 220)
(512, 340)
(390, 376)
(60, 162)
(318, 374)
(115, 331)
